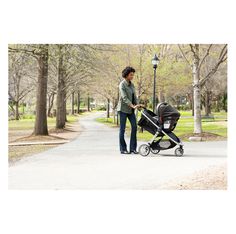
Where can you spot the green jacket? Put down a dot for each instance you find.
(126, 90)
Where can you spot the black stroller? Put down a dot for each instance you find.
(159, 125)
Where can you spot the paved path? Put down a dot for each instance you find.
(92, 161)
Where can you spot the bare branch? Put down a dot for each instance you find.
(184, 55)
(192, 49)
(206, 54)
(222, 58)
(30, 52)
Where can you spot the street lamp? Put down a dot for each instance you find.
(155, 62)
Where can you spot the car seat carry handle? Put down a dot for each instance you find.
(160, 113)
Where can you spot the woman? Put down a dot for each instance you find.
(128, 102)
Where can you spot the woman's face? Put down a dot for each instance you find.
(130, 76)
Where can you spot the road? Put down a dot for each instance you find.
(93, 161)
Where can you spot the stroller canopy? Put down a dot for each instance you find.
(165, 110)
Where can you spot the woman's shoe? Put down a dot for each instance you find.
(134, 152)
(124, 152)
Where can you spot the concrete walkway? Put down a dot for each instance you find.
(93, 161)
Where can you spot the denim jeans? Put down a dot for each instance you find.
(133, 137)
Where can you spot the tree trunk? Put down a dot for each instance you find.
(78, 102)
(40, 127)
(224, 101)
(192, 103)
(65, 113)
(60, 113)
(17, 110)
(108, 108)
(207, 103)
(50, 104)
(72, 103)
(88, 103)
(196, 94)
(218, 103)
(61, 94)
(114, 115)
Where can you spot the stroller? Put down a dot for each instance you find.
(159, 125)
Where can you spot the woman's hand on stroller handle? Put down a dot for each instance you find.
(140, 106)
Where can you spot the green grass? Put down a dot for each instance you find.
(24, 124)
(186, 126)
(215, 125)
(186, 113)
(107, 121)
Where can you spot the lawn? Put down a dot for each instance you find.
(24, 124)
(216, 124)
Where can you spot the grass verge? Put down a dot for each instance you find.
(214, 127)
(20, 130)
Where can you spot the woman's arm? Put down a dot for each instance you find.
(136, 101)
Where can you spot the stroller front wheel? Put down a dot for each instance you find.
(179, 152)
(144, 149)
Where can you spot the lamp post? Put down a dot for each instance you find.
(155, 62)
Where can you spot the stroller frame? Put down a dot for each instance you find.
(178, 152)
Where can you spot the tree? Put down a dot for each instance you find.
(76, 66)
(198, 55)
(21, 82)
(61, 92)
(40, 127)
(40, 53)
(214, 88)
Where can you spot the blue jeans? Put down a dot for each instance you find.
(133, 137)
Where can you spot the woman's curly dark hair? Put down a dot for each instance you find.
(126, 71)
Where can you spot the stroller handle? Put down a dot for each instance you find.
(142, 107)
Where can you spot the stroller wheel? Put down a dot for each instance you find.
(154, 151)
(179, 152)
(144, 149)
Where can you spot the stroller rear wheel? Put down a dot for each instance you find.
(144, 149)
(179, 152)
